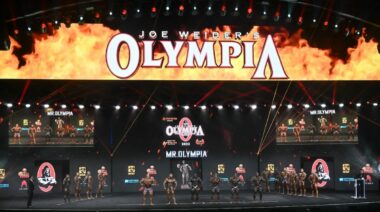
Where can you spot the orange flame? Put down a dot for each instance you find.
(78, 52)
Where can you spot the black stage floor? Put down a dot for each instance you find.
(272, 201)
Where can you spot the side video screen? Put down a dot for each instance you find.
(317, 126)
(51, 127)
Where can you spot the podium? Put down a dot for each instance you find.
(359, 189)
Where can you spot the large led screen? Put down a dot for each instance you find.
(96, 52)
(42, 127)
(317, 126)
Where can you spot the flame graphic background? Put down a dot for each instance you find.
(78, 52)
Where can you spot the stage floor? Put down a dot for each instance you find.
(271, 201)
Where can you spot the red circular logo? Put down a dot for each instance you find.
(46, 177)
(185, 129)
(321, 168)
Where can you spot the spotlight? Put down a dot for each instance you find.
(209, 10)
(253, 107)
(124, 13)
(336, 26)
(153, 107)
(273, 106)
(63, 106)
(186, 107)
(341, 104)
(117, 107)
(27, 105)
(56, 24)
(97, 16)
(219, 107)
(236, 11)
(169, 107)
(203, 107)
(167, 10)
(110, 13)
(290, 106)
(323, 105)
(223, 10)
(306, 106)
(374, 104)
(46, 105)
(153, 12)
(135, 107)
(195, 10)
(181, 8)
(358, 104)
(81, 106)
(236, 107)
(249, 12)
(289, 15)
(9, 105)
(43, 28)
(314, 20)
(97, 107)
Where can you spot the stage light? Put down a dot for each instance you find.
(117, 107)
(63, 106)
(223, 10)
(323, 105)
(186, 107)
(289, 15)
(236, 11)
(341, 104)
(374, 104)
(80, 21)
(195, 10)
(135, 107)
(56, 24)
(314, 20)
(9, 105)
(273, 106)
(97, 107)
(153, 107)
(43, 28)
(306, 106)
(336, 26)
(169, 107)
(167, 10)
(203, 107)
(181, 8)
(110, 13)
(253, 107)
(81, 106)
(46, 105)
(290, 106)
(220, 107)
(27, 105)
(236, 107)
(358, 104)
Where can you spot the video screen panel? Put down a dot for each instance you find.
(51, 127)
(317, 126)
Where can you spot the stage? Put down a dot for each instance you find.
(133, 201)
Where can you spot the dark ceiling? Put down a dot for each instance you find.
(188, 93)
